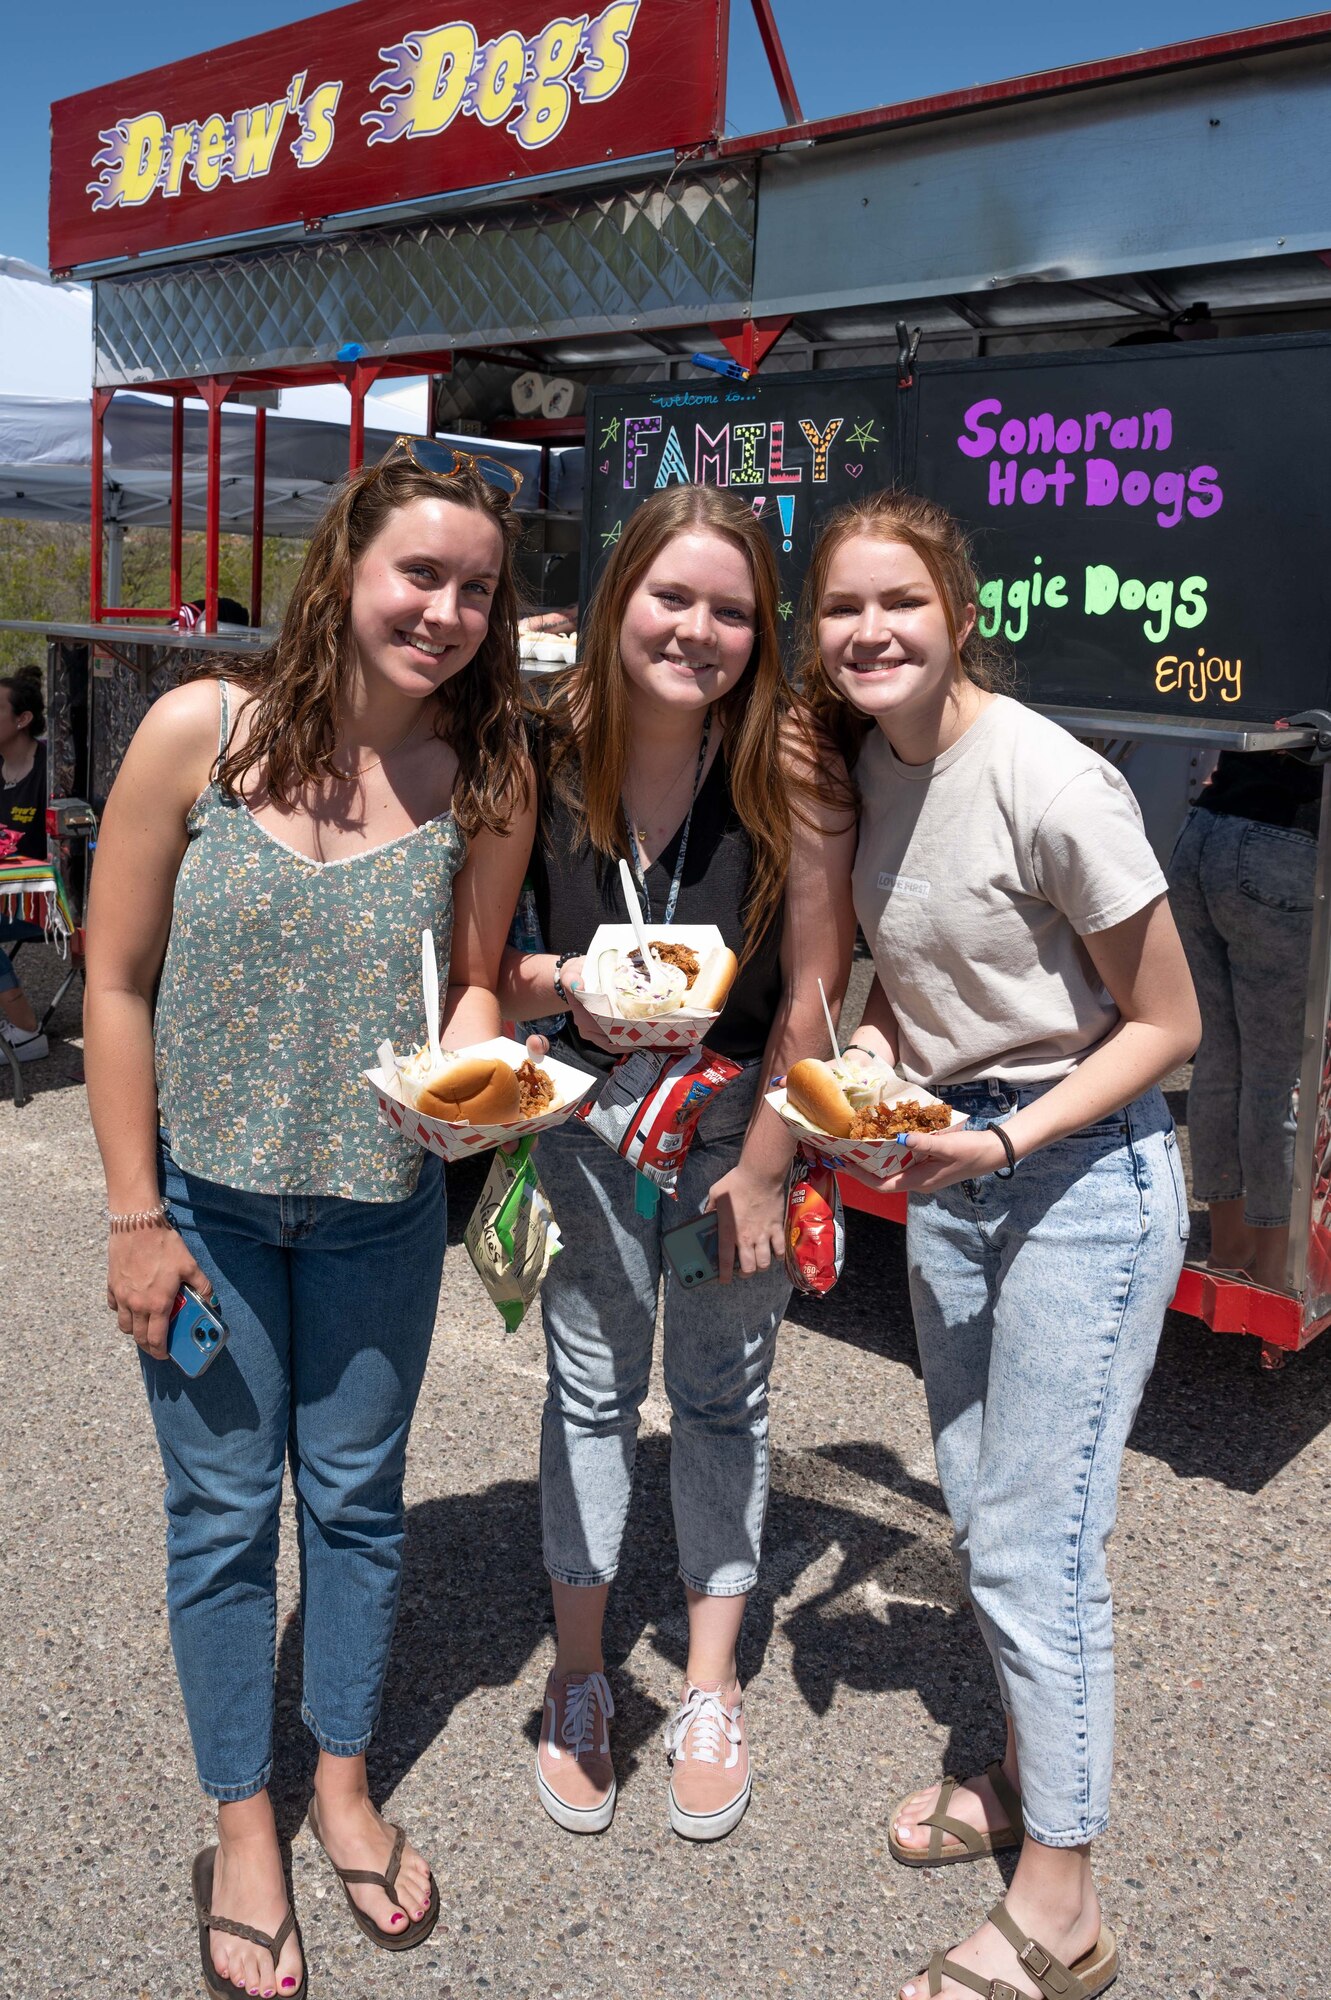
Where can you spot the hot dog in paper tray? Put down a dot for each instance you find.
(467, 1100)
(668, 1001)
(854, 1116)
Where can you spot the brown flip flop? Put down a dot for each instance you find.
(226, 1989)
(417, 1930)
(1092, 1973)
(974, 1844)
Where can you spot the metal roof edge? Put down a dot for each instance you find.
(1201, 51)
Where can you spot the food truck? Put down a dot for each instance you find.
(1089, 309)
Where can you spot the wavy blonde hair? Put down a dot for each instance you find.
(763, 720)
(942, 545)
(299, 684)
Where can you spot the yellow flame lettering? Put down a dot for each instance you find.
(317, 125)
(545, 94)
(605, 51)
(424, 83)
(180, 146)
(256, 134)
(131, 159)
(496, 78)
(210, 152)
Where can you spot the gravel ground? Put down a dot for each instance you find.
(866, 1674)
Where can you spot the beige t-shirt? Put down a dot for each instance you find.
(976, 878)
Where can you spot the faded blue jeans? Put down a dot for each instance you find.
(1242, 895)
(1038, 1303)
(330, 1306)
(599, 1304)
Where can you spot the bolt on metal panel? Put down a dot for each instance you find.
(663, 252)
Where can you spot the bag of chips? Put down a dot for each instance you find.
(649, 1109)
(815, 1225)
(512, 1234)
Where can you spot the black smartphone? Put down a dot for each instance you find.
(691, 1250)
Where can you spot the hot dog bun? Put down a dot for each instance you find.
(815, 1093)
(471, 1090)
(713, 980)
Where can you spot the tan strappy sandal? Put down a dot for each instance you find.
(1092, 1973)
(974, 1844)
(417, 1930)
(225, 1989)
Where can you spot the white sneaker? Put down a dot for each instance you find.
(28, 1044)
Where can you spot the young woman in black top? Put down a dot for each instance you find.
(675, 742)
(23, 817)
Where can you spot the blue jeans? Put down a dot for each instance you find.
(599, 1306)
(1242, 895)
(330, 1306)
(1038, 1302)
(16, 930)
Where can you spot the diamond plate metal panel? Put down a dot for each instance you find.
(662, 253)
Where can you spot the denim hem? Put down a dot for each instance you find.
(580, 1579)
(232, 1795)
(332, 1744)
(720, 1589)
(1265, 1222)
(1083, 1838)
(1221, 1194)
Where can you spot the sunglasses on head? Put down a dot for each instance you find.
(446, 461)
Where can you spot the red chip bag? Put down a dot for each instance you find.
(649, 1109)
(815, 1225)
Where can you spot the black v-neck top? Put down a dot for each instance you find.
(577, 889)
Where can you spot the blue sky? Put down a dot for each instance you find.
(845, 55)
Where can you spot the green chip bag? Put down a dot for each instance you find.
(512, 1234)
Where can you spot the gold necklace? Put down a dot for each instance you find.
(391, 751)
(641, 831)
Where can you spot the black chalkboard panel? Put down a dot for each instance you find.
(795, 445)
(1151, 522)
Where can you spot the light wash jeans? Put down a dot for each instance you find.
(1242, 895)
(599, 1305)
(330, 1306)
(1038, 1303)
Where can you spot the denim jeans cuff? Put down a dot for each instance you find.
(1228, 1188)
(741, 1589)
(334, 1745)
(1266, 1221)
(231, 1795)
(581, 1579)
(1078, 1837)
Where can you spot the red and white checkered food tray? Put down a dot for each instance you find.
(455, 1142)
(872, 1156)
(685, 1027)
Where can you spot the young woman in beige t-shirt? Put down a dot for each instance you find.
(1030, 973)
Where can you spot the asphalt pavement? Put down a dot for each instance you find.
(866, 1675)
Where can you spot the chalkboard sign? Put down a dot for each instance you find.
(1150, 523)
(793, 445)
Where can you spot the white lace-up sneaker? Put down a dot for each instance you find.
(710, 1779)
(28, 1044)
(575, 1779)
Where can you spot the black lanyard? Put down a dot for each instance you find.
(639, 869)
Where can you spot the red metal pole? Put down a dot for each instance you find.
(256, 543)
(101, 403)
(357, 384)
(213, 390)
(177, 500)
(776, 56)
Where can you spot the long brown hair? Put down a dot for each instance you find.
(941, 543)
(762, 719)
(299, 683)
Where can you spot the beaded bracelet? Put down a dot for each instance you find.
(139, 1218)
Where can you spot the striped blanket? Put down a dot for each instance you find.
(34, 891)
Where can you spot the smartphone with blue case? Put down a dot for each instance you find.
(692, 1250)
(197, 1334)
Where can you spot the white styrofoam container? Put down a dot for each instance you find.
(874, 1156)
(682, 1029)
(455, 1142)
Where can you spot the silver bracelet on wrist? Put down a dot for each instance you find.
(138, 1218)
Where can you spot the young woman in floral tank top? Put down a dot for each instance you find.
(269, 856)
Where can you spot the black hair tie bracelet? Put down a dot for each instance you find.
(1002, 1173)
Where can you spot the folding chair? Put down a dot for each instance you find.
(38, 892)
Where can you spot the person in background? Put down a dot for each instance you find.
(273, 847)
(1241, 881)
(676, 744)
(1027, 971)
(23, 817)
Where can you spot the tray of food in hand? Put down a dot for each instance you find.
(466, 1100)
(855, 1116)
(668, 1001)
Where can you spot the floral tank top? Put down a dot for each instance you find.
(282, 977)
